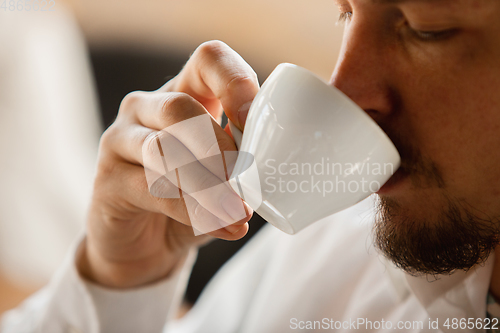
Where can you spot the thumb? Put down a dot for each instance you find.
(216, 75)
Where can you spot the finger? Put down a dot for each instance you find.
(202, 220)
(203, 179)
(136, 192)
(217, 199)
(163, 155)
(209, 191)
(182, 119)
(186, 151)
(179, 115)
(217, 74)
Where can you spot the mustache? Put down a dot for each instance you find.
(423, 170)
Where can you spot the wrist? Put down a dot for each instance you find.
(95, 268)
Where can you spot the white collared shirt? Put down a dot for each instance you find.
(326, 278)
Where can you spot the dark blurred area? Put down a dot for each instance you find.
(119, 72)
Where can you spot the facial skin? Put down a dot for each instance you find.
(428, 72)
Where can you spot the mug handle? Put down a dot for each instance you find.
(237, 134)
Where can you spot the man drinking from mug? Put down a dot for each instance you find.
(427, 72)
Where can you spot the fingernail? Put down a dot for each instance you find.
(233, 206)
(243, 113)
(234, 228)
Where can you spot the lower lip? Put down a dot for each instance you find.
(396, 181)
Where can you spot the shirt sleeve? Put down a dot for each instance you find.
(71, 304)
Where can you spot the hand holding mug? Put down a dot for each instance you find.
(134, 238)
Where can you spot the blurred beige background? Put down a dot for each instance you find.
(264, 32)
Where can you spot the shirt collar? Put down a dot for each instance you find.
(459, 295)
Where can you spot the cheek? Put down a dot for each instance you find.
(453, 109)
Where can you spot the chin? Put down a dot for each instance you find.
(424, 231)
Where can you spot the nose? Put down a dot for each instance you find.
(362, 72)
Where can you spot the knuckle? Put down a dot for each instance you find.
(130, 101)
(150, 144)
(152, 138)
(173, 106)
(212, 49)
(107, 137)
(173, 102)
(241, 81)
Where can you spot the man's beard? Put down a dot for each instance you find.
(454, 240)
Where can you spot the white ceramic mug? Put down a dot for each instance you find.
(308, 151)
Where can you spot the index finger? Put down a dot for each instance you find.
(216, 75)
